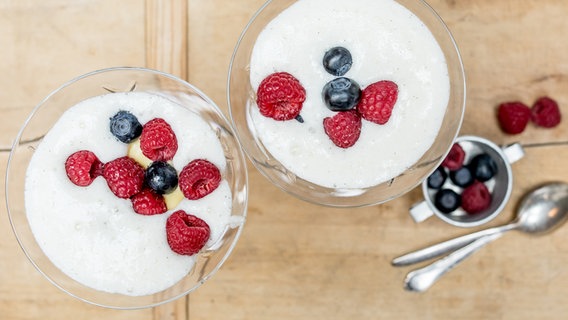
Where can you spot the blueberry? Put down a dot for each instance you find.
(437, 178)
(161, 177)
(447, 200)
(483, 167)
(337, 61)
(125, 126)
(341, 94)
(462, 177)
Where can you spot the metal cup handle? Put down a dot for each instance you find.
(514, 152)
(421, 211)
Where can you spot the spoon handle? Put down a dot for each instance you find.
(447, 246)
(421, 279)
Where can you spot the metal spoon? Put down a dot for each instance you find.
(534, 215)
(542, 210)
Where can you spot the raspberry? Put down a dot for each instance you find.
(158, 141)
(198, 179)
(280, 96)
(343, 128)
(475, 198)
(513, 117)
(186, 234)
(124, 176)
(545, 113)
(377, 101)
(454, 159)
(82, 167)
(148, 202)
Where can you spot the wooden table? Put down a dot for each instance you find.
(296, 260)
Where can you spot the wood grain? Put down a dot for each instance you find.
(45, 44)
(166, 36)
(297, 260)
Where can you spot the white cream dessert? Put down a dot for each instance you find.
(92, 235)
(386, 42)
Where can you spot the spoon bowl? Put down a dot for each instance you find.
(544, 209)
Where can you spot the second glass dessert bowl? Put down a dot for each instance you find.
(265, 41)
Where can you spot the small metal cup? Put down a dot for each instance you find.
(500, 185)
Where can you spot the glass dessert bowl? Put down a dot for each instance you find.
(287, 45)
(92, 239)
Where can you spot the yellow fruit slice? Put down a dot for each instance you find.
(173, 198)
(135, 153)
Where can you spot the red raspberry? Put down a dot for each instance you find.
(513, 117)
(545, 113)
(280, 96)
(343, 128)
(377, 101)
(198, 179)
(476, 198)
(148, 202)
(186, 233)
(82, 167)
(124, 176)
(158, 141)
(454, 159)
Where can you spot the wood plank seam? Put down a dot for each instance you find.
(166, 49)
(167, 36)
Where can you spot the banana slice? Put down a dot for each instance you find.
(173, 198)
(135, 153)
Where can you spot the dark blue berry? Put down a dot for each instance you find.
(447, 200)
(483, 167)
(341, 94)
(337, 61)
(125, 126)
(437, 178)
(161, 177)
(462, 177)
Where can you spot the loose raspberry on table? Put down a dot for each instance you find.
(148, 202)
(475, 198)
(198, 179)
(186, 234)
(124, 176)
(513, 116)
(377, 101)
(455, 158)
(545, 113)
(82, 167)
(344, 128)
(280, 96)
(158, 141)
